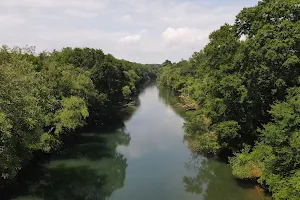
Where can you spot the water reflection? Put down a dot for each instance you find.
(152, 162)
(209, 178)
(170, 99)
(89, 169)
(150, 127)
(214, 180)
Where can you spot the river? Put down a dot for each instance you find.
(146, 158)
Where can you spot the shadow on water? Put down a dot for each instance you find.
(170, 98)
(87, 167)
(90, 168)
(214, 180)
(211, 177)
(250, 184)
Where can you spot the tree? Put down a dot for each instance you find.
(239, 84)
(48, 95)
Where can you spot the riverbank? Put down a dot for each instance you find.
(39, 160)
(198, 144)
(143, 157)
(187, 103)
(74, 164)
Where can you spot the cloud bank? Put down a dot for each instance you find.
(147, 31)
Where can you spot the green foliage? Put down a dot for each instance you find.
(249, 165)
(72, 114)
(277, 155)
(282, 135)
(228, 133)
(21, 112)
(126, 91)
(205, 143)
(249, 92)
(196, 124)
(45, 96)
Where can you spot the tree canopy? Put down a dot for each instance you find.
(246, 81)
(44, 96)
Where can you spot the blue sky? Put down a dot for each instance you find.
(146, 31)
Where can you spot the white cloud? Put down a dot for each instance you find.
(143, 31)
(11, 19)
(125, 18)
(163, 29)
(81, 13)
(87, 4)
(183, 35)
(131, 39)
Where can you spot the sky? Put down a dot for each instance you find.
(144, 31)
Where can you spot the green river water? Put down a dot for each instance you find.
(145, 159)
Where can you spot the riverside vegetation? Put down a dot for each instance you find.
(47, 95)
(247, 83)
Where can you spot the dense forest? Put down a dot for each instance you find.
(246, 81)
(47, 95)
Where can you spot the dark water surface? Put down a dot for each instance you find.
(147, 159)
